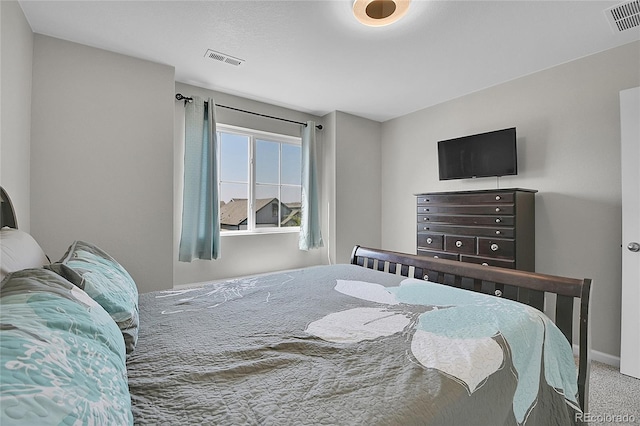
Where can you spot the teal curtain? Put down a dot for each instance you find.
(200, 236)
(310, 235)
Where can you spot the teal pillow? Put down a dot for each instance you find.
(107, 282)
(62, 358)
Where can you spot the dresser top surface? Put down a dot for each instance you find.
(481, 191)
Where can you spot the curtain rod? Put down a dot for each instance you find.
(180, 97)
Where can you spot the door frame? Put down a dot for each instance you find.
(630, 182)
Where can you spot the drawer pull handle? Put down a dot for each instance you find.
(497, 209)
(498, 220)
(436, 257)
(425, 228)
(429, 240)
(425, 210)
(498, 198)
(498, 232)
(485, 264)
(458, 243)
(425, 219)
(494, 247)
(426, 278)
(498, 293)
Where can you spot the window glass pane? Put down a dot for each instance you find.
(233, 206)
(291, 164)
(267, 162)
(229, 191)
(291, 194)
(267, 206)
(263, 168)
(290, 210)
(234, 157)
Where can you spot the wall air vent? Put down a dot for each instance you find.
(624, 16)
(223, 57)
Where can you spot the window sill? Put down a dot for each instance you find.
(287, 230)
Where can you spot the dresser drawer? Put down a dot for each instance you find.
(460, 244)
(468, 198)
(501, 263)
(438, 254)
(430, 241)
(503, 209)
(467, 219)
(477, 231)
(496, 247)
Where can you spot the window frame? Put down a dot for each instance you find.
(253, 136)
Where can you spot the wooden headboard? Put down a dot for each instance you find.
(501, 282)
(7, 213)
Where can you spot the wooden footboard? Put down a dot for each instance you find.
(525, 287)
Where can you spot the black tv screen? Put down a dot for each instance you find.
(482, 155)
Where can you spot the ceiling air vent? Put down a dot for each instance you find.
(624, 16)
(223, 57)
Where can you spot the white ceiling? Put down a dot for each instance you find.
(313, 56)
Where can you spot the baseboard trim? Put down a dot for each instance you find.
(605, 358)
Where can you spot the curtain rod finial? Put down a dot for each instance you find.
(180, 97)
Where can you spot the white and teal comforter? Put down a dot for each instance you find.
(346, 345)
(62, 357)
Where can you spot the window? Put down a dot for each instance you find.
(260, 184)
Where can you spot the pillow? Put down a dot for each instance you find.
(107, 282)
(62, 358)
(19, 251)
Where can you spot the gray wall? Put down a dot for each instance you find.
(352, 164)
(568, 127)
(15, 86)
(329, 183)
(357, 184)
(102, 156)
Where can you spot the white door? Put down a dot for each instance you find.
(630, 150)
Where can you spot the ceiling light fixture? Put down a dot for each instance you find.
(377, 13)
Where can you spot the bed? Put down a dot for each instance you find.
(390, 338)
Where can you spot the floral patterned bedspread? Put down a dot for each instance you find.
(347, 345)
(62, 358)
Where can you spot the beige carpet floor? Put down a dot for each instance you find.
(614, 399)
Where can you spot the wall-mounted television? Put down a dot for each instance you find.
(482, 155)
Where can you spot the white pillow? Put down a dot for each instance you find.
(19, 251)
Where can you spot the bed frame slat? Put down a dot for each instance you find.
(418, 273)
(564, 316)
(526, 287)
(457, 281)
(523, 295)
(404, 270)
(536, 299)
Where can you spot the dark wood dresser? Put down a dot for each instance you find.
(489, 227)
